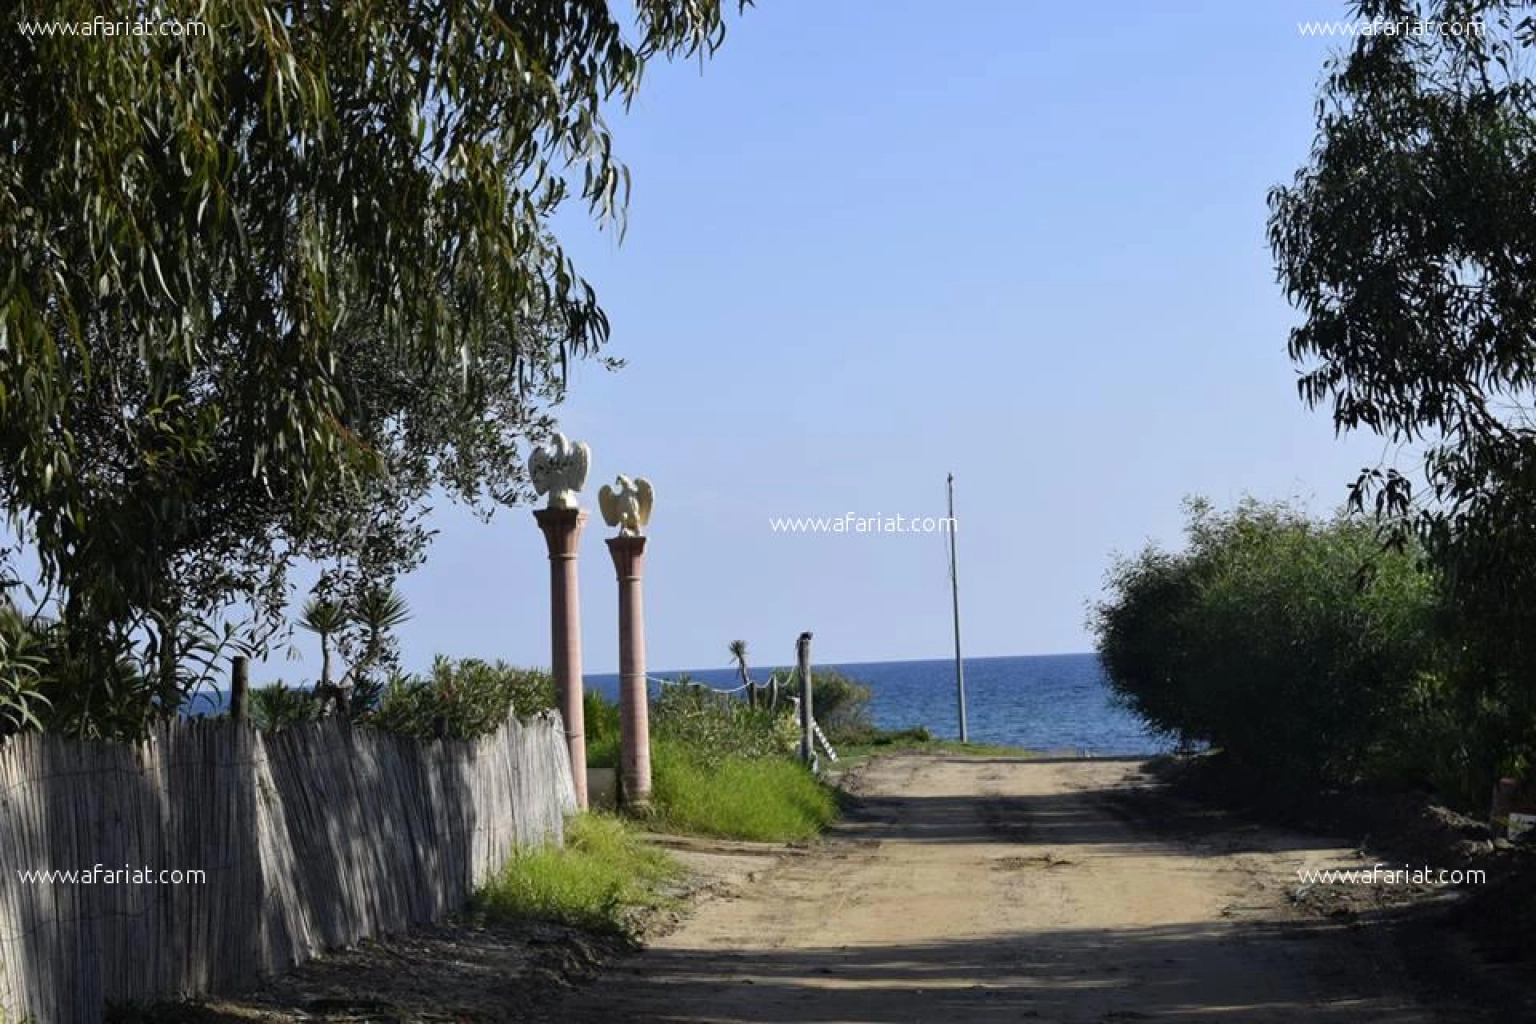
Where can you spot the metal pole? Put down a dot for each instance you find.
(954, 580)
(803, 661)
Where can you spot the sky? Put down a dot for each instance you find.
(874, 242)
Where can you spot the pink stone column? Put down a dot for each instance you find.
(634, 715)
(562, 530)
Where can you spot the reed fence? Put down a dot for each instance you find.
(311, 838)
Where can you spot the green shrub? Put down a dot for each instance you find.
(23, 663)
(716, 726)
(602, 727)
(277, 706)
(772, 799)
(840, 704)
(600, 879)
(1293, 645)
(468, 697)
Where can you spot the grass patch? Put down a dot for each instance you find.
(920, 741)
(770, 799)
(602, 878)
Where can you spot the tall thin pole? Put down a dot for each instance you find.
(803, 665)
(954, 581)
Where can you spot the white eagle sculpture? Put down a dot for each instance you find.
(560, 470)
(628, 507)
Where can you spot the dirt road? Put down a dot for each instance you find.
(975, 889)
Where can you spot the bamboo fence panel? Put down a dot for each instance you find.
(312, 838)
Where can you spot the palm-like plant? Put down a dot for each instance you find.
(326, 619)
(375, 612)
(738, 649)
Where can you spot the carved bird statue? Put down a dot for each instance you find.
(560, 470)
(627, 506)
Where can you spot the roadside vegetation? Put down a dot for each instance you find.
(917, 740)
(1309, 655)
(605, 879)
(720, 767)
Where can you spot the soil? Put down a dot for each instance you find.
(963, 889)
(997, 889)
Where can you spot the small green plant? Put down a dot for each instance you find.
(603, 878)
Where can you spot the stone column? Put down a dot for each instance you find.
(634, 715)
(562, 530)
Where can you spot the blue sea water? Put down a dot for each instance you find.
(1056, 702)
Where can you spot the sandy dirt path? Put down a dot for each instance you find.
(976, 889)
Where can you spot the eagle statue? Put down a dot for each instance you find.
(560, 470)
(627, 506)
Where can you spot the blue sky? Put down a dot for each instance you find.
(873, 242)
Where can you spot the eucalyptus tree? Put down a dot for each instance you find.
(267, 288)
(1408, 242)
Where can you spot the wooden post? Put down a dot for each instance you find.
(803, 661)
(240, 688)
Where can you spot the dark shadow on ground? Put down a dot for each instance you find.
(1086, 817)
(1220, 973)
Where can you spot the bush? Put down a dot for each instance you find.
(602, 727)
(839, 702)
(470, 698)
(715, 725)
(599, 880)
(771, 799)
(1293, 645)
(841, 705)
(23, 663)
(277, 707)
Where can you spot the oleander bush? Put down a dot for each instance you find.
(461, 699)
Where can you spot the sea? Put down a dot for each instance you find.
(1052, 703)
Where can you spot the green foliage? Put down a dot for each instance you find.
(47, 682)
(840, 704)
(772, 799)
(880, 743)
(268, 289)
(278, 706)
(600, 879)
(363, 626)
(715, 725)
(462, 699)
(601, 717)
(1406, 242)
(22, 663)
(1295, 646)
